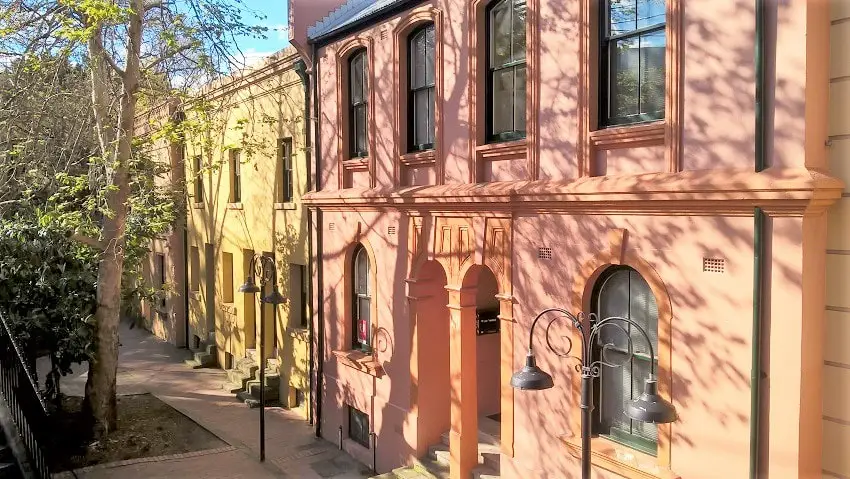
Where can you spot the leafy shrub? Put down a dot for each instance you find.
(48, 293)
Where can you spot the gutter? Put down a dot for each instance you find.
(317, 261)
(759, 232)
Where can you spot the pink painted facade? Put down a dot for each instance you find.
(533, 223)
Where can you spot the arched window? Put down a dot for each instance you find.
(421, 89)
(506, 70)
(622, 292)
(358, 102)
(361, 310)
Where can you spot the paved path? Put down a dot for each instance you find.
(147, 364)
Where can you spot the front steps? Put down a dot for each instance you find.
(436, 464)
(205, 358)
(244, 381)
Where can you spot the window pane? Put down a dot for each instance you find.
(503, 88)
(518, 39)
(640, 371)
(360, 129)
(650, 12)
(625, 77)
(519, 99)
(361, 267)
(418, 60)
(431, 108)
(652, 72)
(500, 34)
(357, 78)
(623, 16)
(363, 323)
(430, 49)
(420, 118)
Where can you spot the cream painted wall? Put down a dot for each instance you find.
(251, 112)
(836, 406)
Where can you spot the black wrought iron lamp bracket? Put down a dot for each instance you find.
(649, 407)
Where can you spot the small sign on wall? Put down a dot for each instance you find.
(363, 331)
(487, 321)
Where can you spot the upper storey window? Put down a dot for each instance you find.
(358, 102)
(632, 56)
(506, 70)
(421, 95)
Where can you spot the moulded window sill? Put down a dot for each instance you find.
(619, 459)
(297, 332)
(235, 206)
(356, 163)
(623, 136)
(289, 205)
(503, 150)
(417, 158)
(360, 361)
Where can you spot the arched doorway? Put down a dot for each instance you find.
(432, 377)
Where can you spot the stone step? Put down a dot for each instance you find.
(193, 363)
(483, 438)
(488, 455)
(252, 397)
(236, 376)
(431, 468)
(271, 379)
(233, 388)
(483, 472)
(205, 359)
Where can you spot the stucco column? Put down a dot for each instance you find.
(464, 382)
(506, 331)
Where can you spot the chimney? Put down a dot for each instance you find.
(302, 15)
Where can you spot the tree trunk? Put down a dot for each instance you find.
(117, 151)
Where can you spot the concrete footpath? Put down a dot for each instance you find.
(149, 365)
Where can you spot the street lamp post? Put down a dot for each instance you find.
(263, 267)
(649, 407)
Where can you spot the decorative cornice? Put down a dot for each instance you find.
(780, 192)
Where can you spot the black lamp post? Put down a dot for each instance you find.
(649, 407)
(264, 268)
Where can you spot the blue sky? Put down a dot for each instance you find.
(276, 21)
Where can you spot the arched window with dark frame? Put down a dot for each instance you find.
(358, 102)
(361, 309)
(506, 70)
(421, 88)
(623, 292)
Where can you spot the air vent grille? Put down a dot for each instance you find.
(391, 230)
(331, 226)
(713, 265)
(544, 252)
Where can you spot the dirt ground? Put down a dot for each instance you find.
(147, 427)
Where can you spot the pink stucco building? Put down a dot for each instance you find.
(479, 161)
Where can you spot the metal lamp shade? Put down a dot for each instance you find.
(530, 377)
(249, 286)
(650, 407)
(274, 297)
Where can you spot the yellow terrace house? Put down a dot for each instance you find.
(245, 161)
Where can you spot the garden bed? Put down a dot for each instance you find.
(147, 427)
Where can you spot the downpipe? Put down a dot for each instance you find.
(758, 243)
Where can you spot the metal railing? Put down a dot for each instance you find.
(23, 399)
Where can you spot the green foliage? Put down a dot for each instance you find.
(152, 211)
(48, 292)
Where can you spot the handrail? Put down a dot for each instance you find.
(26, 405)
(23, 363)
